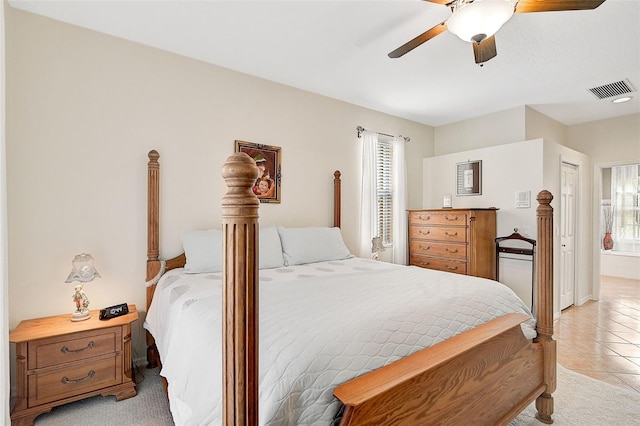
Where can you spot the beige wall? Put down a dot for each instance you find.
(83, 110)
(613, 140)
(487, 130)
(538, 125)
(498, 128)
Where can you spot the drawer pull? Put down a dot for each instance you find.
(424, 217)
(452, 218)
(454, 234)
(448, 250)
(89, 375)
(66, 350)
(451, 268)
(424, 247)
(424, 263)
(427, 232)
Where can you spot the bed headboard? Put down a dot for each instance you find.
(157, 267)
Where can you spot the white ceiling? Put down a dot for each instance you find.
(547, 61)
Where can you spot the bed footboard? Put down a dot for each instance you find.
(484, 376)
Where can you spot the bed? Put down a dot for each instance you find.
(339, 343)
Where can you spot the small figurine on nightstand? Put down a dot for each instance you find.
(82, 304)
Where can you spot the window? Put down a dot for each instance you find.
(384, 190)
(625, 206)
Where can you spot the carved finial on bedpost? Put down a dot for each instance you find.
(240, 292)
(544, 291)
(240, 173)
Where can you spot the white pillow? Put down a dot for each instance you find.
(309, 245)
(270, 249)
(203, 250)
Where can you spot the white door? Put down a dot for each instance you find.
(569, 190)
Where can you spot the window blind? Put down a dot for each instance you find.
(384, 192)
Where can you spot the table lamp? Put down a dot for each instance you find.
(376, 247)
(83, 271)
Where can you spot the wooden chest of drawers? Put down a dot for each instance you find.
(454, 240)
(60, 361)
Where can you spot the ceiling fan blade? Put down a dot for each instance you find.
(422, 38)
(485, 50)
(443, 2)
(527, 6)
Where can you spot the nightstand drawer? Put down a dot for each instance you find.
(73, 347)
(431, 248)
(447, 265)
(458, 235)
(75, 379)
(439, 218)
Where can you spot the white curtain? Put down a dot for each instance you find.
(5, 390)
(399, 181)
(624, 199)
(368, 221)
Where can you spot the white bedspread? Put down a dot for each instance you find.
(321, 325)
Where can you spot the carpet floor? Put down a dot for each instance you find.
(579, 400)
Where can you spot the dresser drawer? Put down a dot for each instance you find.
(439, 233)
(73, 347)
(432, 248)
(448, 265)
(74, 379)
(439, 218)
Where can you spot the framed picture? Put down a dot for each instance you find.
(469, 178)
(268, 159)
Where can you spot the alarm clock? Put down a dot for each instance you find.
(114, 311)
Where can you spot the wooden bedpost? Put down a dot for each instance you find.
(240, 292)
(336, 198)
(544, 316)
(153, 244)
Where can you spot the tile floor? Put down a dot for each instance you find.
(601, 338)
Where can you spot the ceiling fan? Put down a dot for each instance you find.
(477, 21)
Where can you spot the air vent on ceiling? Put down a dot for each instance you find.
(613, 89)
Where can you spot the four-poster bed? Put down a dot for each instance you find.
(484, 375)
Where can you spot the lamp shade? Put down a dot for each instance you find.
(83, 269)
(376, 245)
(480, 19)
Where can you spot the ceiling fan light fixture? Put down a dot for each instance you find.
(480, 19)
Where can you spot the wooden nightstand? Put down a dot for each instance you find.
(60, 361)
